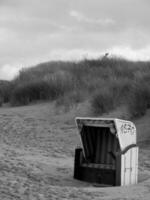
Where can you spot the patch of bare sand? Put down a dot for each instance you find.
(37, 153)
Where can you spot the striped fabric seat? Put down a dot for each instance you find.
(100, 145)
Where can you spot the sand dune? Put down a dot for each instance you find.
(37, 153)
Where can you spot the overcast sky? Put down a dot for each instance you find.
(33, 31)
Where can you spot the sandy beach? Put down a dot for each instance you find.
(37, 145)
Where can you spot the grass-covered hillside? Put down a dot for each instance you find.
(107, 83)
(5, 88)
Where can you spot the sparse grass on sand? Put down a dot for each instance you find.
(37, 144)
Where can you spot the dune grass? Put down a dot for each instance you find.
(106, 82)
(5, 91)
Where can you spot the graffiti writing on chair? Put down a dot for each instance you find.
(127, 128)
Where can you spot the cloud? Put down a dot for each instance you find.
(8, 72)
(33, 31)
(82, 18)
(122, 51)
(132, 54)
